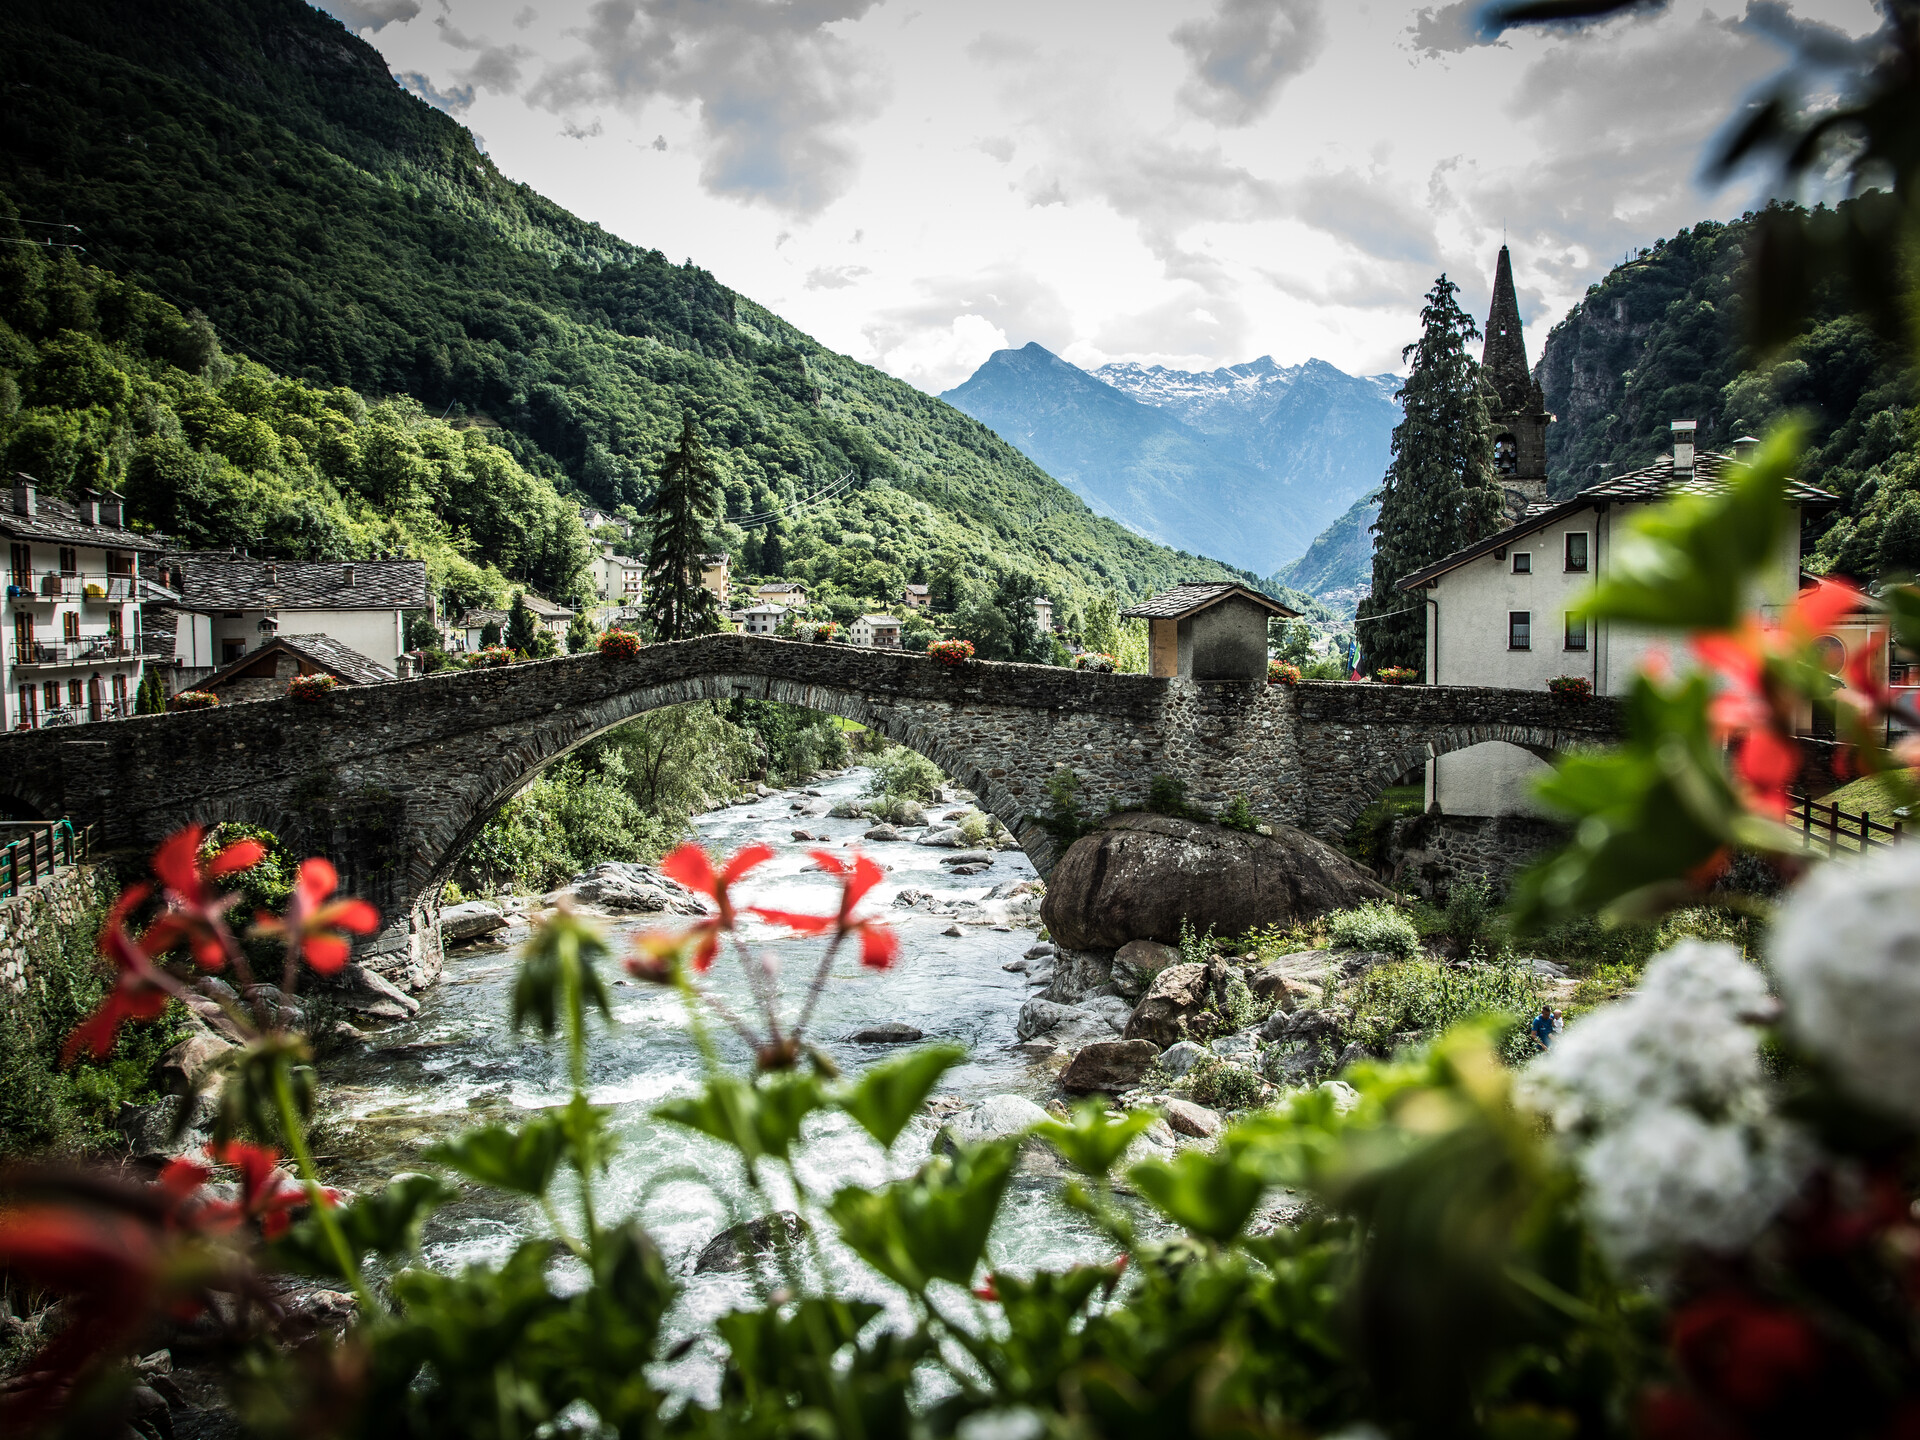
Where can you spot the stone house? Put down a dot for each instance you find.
(917, 597)
(593, 519)
(466, 633)
(878, 632)
(75, 643)
(761, 619)
(1208, 630)
(263, 674)
(229, 605)
(1500, 612)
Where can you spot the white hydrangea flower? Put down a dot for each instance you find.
(1666, 1178)
(1683, 1038)
(1846, 952)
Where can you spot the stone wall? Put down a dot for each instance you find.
(1427, 854)
(392, 782)
(35, 917)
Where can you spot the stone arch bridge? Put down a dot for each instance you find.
(393, 781)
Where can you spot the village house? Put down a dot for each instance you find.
(263, 674)
(879, 632)
(714, 570)
(917, 597)
(789, 593)
(230, 604)
(1213, 630)
(593, 520)
(761, 619)
(467, 631)
(617, 577)
(1043, 613)
(74, 609)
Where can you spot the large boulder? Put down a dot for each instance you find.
(1109, 1066)
(1138, 962)
(1177, 996)
(1139, 876)
(738, 1246)
(470, 920)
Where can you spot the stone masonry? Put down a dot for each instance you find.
(393, 781)
(35, 916)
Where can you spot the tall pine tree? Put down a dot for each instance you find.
(1439, 494)
(520, 625)
(677, 605)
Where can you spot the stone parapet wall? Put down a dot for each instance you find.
(1428, 854)
(391, 782)
(34, 919)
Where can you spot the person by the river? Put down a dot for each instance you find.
(1543, 1027)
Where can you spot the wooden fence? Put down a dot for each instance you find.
(1829, 827)
(31, 850)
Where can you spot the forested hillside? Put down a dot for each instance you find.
(1660, 339)
(253, 160)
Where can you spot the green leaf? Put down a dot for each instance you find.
(889, 1095)
(522, 1160)
(1690, 563)
(934, 1224)
(386, 1222)
(1210, 1195)
(589, 1143)
(1091, 1142)
(557, 975)
(762, 1118)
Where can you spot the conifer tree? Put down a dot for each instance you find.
(773, 556)
(1439, 494)
(520, 625)
(677, 605)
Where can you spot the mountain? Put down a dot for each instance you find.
(252, 160)
(1246, 462)
(1338, 565)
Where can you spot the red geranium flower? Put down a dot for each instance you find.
(196, 912)
(1747, 1354)
(691, 867)
(266, 1194)
(879, 946)
(986, 1290)
(313, 920)
(140, 991)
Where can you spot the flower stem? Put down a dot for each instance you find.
(323, 1212)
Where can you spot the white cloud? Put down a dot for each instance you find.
(371, 14)
(1244, 52)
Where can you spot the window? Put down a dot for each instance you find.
(69, 624)
(28, 718)
(1506, 455)
(69, 560)
(120, 693)
(76, 694)
(232, 650)
(1519, 629)
(1576, 632)
(1523, 562)
(52, 689)
(1577, 551)
(22, 572)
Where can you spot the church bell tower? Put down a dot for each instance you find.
(1517, 408)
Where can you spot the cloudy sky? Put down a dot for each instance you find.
(1188, 182)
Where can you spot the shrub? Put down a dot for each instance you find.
(1470, 914)
(1427, 996)
(1375, 925)
(1167, 795)
(975, 826)
(1571, 687)
(951, 652)
(1396, 675)
(490, 657)
(903, 774)
(1093, 660)
(1279, 672)
(620, 645)
(1063, 820)
(310, 688)
(194, 700)
(1238, 816)
(1221, 1086)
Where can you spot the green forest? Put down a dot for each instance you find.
(1662, 337)
(255, 164)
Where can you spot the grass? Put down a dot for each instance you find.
(1881, 796)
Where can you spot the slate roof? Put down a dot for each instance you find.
(60, 522)
(542, 610)
(880, 619)
(343, 661)
(917, 589)
(301, 584)
(1636, 487)
(1191, 596)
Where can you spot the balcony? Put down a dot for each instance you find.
(62, 715)
(88, 650)
(101, 589)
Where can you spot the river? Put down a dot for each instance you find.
(458, 1063)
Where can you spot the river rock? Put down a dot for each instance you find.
(617, 885)
(1137, 962)
(882, 832)
(1178, 994)
(890, 1033)
(211, 1014)
(968, 857)
(738, 1246)
(849, 810)
(1077, 974)
(948, 837)
(994, 1118)
(1109, 1066)
(371, 994)
(953, 932)
(814, 809)
(1139, 876)
(1314, 1025)
(470, 920)
(186, 1063)
(1035, 952)
(1177, 1059)
(1071, 1026)
(149, 1129)
(1194, 1120)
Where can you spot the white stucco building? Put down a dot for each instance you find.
(617, 577)
(876, 631)
(75, 641)
(1499, 612)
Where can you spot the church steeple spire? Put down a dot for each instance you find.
(1519, 410)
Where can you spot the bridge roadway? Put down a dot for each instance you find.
(392, 781)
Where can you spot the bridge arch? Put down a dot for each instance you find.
(1544, 742)
(443, 842)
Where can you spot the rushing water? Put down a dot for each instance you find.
(458, 1063)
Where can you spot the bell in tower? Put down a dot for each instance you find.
(1516, 406)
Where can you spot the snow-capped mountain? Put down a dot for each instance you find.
(1247, 463)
